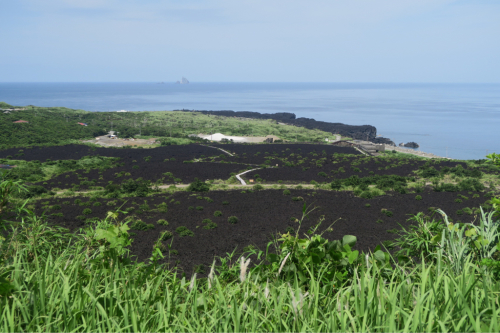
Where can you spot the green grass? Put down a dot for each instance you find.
(58, 289)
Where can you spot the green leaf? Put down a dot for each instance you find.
(470, 232)
(379, 256)
(349, 240)
(436, 239)
(353, 256)
(272, 257)
(315, 258)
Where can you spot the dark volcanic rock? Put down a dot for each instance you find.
(361, 132)
(411, 145)
(384, 141)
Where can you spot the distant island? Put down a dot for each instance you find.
(182, 81)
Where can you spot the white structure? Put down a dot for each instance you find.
(122, 111)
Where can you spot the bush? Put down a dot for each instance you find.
(141, 225)
(322, 174)
(297, 199)
(368, 205)
(232, 219)
(199, 207)
(97, 204)
(162, 222)
(336, 184)
(418, 197)
(217, 213)
(388, 213)
(209, 224)
(183, 231)
(56, 207)
(198, 186)
(286, 192)
(165, 235)
(225, 202)
(190, 208)
(87, 211)
(258, 187)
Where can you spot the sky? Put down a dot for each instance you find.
(452, 41)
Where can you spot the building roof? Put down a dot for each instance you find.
(20, 121)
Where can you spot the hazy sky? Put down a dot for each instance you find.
(250, 40)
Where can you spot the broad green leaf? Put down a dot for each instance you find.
(349, 240)
(272, 257)
(379, 256)
(353, 256)
(436, 239)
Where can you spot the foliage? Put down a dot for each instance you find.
(184, 231)
(198, 186)
(232, 219)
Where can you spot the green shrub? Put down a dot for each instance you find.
(458, 200)
(162, 222)
(162, 207)
(286, 192)
(289, 230)
(336, 184)
(467, 211)
(111, 203)
(418, 197)
(77, 201)
(141, 225)
(66, 202)
(209, 224)
(225, 202)
(56, 207)
(87, 211)
(379, 221)
(135, 167)
(460, 212)
(322, 174)
(183, 231)
(258, 187)
(217, 213)
(97, 204)
(57, 214)
(297, 198)
(199, 207)
(388, 213)
(190, 208)
(165, 235)
(198, 186)
(368, 205)
(232, 219)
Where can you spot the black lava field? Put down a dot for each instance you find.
(260, 214)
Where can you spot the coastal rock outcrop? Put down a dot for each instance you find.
(360, 132)
(411, 145)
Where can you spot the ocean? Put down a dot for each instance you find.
(456, 120)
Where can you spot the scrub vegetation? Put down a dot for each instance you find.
(59, 125)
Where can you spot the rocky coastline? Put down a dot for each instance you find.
(359, 132)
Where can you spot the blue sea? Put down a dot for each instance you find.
(455, 120)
